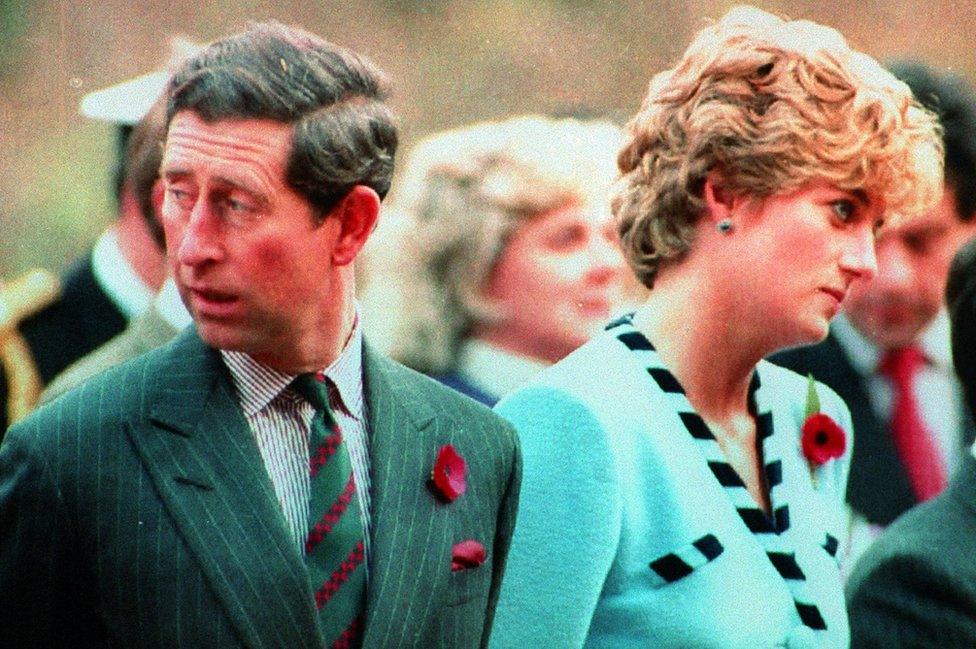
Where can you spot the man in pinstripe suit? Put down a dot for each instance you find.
(168, 502)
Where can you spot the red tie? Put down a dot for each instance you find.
(916, 447)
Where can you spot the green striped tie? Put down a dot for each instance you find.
(334, 545)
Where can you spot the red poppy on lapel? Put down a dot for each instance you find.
(467, 554)
(448, 476)
(822, 439)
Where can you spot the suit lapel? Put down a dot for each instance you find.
(963, 484)
(207, 468)
(874, 459)
(411, 535)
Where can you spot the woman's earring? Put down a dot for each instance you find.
(724, 226)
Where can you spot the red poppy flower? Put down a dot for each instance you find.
(822, 439)
(449, 473)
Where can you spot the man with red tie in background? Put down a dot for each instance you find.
(888, 355)
(265, 479)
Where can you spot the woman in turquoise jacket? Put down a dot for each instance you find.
(678, 490)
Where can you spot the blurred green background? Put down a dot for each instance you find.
(451, 62)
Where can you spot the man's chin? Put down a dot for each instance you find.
(220, 336)
(897, 340)
(892, 333)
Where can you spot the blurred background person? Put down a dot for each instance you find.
(20, 298)
(167, 315)
(888, 354)
(116, 281)
(501, 257)
(916, 586)
(678, 490)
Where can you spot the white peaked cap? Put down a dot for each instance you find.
(128, 102)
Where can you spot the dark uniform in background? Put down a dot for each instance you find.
(47, 330)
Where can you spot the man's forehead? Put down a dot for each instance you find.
(188, 131)
(231, 145)
(923, 225)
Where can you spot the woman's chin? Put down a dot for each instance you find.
(813, 333)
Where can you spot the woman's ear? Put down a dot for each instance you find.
(719, 201)
(357, 214)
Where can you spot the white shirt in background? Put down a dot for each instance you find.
(118, 278)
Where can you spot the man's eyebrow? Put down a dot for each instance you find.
(254, 190)
(173, 171)
(218, 180)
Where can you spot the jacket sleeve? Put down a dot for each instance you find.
(35, 541)
(910, 601)
(568, 523)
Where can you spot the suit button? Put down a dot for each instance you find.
(801, 637)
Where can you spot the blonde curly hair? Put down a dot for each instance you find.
(771, 105)
(462, 195)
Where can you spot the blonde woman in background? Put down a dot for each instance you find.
(502, 249)
(669, 498)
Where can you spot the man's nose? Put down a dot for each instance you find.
(895, 267)
(199, 240)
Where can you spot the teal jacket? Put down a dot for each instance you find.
(613, 483)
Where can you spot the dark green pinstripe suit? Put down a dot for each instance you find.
(136, 512)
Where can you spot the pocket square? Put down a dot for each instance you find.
(467, 554)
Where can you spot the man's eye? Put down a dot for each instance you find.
(237, 207)
(178, 195)
(918, 243)
(843, 209)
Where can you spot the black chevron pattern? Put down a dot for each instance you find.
(768, 530)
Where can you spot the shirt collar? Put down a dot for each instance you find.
(865, 356)
(935, 341)
(494, 370)
(116, 276)
(257, 384)
(170, 306)
(861, 352)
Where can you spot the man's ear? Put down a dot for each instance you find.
(357, 214)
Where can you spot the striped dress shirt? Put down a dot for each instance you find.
(280, 421)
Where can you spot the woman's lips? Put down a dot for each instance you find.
(836, 293)
(594, 308)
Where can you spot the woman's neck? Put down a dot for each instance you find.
(700, 333)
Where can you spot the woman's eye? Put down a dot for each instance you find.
(566, 237)
(843, 209)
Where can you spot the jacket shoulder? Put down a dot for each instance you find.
(120, 392)
(428, 394)
(80, 320)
